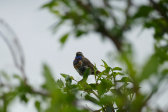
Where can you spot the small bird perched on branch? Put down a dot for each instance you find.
(81, 64)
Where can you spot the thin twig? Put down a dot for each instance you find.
(20, 67)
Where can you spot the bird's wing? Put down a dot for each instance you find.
(87, 63)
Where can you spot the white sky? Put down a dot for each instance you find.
(32, 26)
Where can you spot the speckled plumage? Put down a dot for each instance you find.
(81, 64)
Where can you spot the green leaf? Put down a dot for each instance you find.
(23, 88)
(5, 75)
(113, 91)
(106, 71)
(93, 85)
(24, 98)
(165, 72)
(80, 33)
(37, 105)
(104, 86)
(60, 83)
(9, 97)
(129, 64)
(117, 68)
(68, 79)
(49, 80)
(64, 38)
(18, 77)
(124, 79)
(117, 73)
(106, 100)
(103, 12)
(50, 4)
(65, 76)
(143, 11)
(83, 85)
(105, 64)
(137, 103)
(86, 73)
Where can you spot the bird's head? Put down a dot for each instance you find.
(79, 54)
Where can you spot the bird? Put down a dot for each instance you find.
(81, 64)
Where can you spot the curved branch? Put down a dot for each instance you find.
(20, 67)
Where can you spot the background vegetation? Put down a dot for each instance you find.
(114, 90)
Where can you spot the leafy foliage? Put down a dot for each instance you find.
(112, 91)
(63, 95)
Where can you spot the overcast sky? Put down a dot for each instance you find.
(32, 25)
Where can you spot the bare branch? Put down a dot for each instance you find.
(12, 46)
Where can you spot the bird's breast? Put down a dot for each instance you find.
(77, 64)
